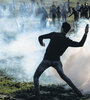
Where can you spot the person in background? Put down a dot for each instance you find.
(53, 13)
(76, 17)
(82, 11)
(58, 16)
(64, 13)
(37, 10)
(89, 10)
(85, 10)
(44, 16)
(78, 6)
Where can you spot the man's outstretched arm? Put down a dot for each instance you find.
(46, 36)
(81, 43)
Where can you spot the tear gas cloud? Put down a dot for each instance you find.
(21, 53)
(77, 64)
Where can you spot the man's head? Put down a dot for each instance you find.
(65, 27)
(73, 9)
(77, 3)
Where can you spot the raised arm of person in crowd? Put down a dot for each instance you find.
(70, 14)
(81, 43)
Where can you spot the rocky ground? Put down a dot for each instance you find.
(10, 90)
(52, 92)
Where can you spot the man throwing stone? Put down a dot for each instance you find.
(57, 46)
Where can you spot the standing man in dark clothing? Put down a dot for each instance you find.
(86, 10)
(76, 17)
(58, 13)
(57, 46)
(89, 10)
(37, 10)
(75, 13)
(78, 8)
(58, 16)
(82, 11)
(53, 13)
(64, 13)
(44, 16)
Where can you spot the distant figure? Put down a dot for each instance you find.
(30, 9)
(82, 11)
(86, 10)
(53, 13)
(78, 7)
(64, 13)
(11, 8)
(76, 17)
(75, 13)
(4, 7)
(69, 10)
(58, 16)
(89, 10)
(21, 9)
(44, 16)
(57, 46)
(50, 12)
(37, 10)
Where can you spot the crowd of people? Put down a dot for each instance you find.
(58, 14)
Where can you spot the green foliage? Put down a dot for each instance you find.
(7, 86)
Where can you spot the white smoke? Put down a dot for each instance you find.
(21, 53)
(77, 65)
